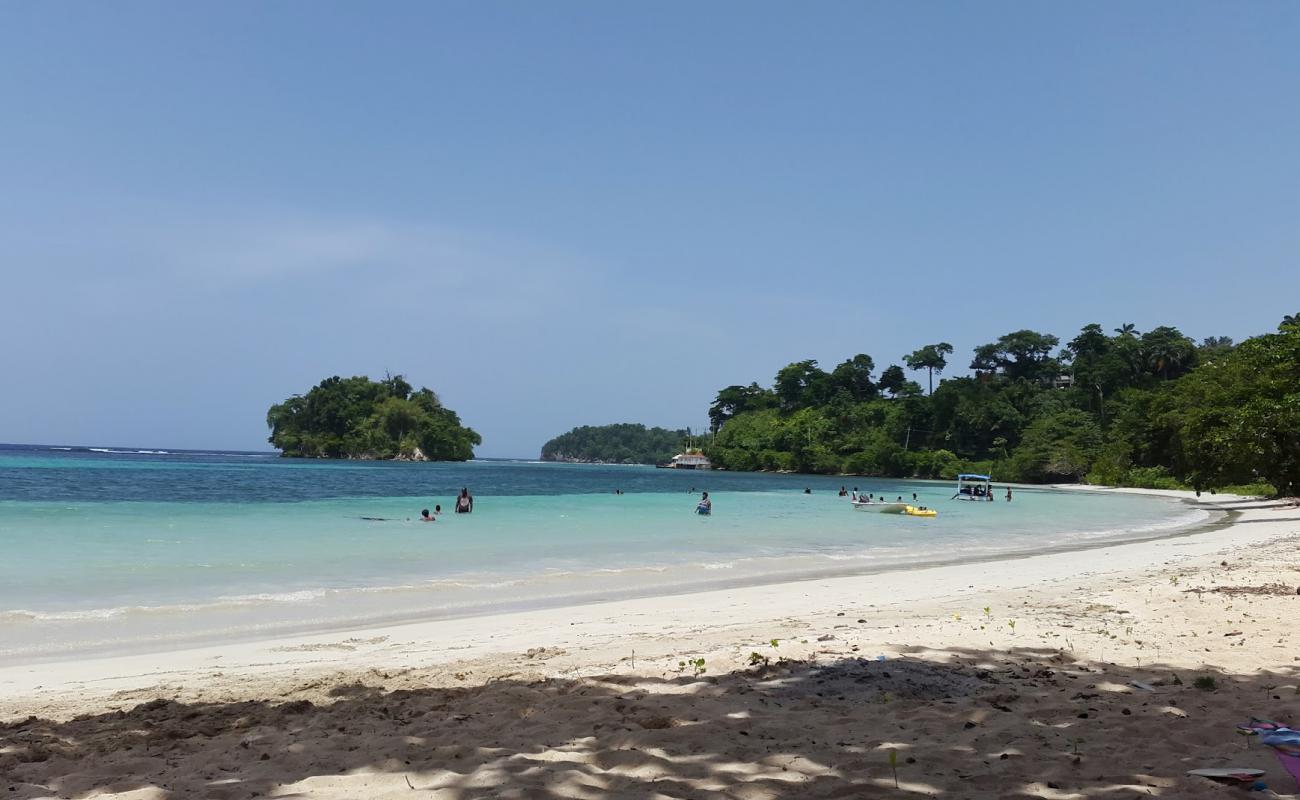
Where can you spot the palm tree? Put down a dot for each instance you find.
(1127, 329)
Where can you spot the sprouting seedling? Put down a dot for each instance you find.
(1078, 740)
(1011, 623)
(756, 658)
(988, 612)
(957, 617)
(893, 765)
(776, 643)
(698, 667)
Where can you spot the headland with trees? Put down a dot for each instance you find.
(622, 443)
(1150, 409)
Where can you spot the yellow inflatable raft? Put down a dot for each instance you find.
(920, 512)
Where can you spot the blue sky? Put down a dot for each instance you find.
(559, 214)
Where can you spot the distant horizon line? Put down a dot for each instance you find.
(159, 450)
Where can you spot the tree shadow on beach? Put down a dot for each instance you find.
(962, 724)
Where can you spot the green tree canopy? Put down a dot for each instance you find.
(1237, 419)
(360, 418)
(932, 357)
(1021, 355)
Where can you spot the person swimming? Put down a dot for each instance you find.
(425, 516)
(706, 505)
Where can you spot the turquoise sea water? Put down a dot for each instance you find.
(122, 548)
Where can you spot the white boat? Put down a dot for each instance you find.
(973, 487)
(883, 508)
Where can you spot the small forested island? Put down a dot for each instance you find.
(364, 419)
(624, 443)
(1152, 410)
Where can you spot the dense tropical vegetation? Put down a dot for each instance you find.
(624, 443)
(1150, 409)
(360, 418)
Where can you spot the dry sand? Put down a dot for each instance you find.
(1009, 679)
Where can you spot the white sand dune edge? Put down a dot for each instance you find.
(1005, 679)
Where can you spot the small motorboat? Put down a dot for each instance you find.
(883, 508)
(973, 487)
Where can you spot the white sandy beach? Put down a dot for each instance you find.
(1010, 678)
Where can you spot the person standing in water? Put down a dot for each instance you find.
(706, 505)
(465, 503)
(1008, 494)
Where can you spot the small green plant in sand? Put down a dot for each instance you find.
(893, 765)
(776, 642)
(1206, 683)
(756, 658)
(1078, 740)
(695, 665)
(1011, 623)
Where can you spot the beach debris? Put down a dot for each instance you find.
(1266, 589)
(1146, 687)
(1228, 774)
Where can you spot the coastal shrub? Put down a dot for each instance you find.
(1058, 447)
(859, 464)
(776, 461)
(1150, 478)
(1252, 489)
(1110, 466)
(936, 464)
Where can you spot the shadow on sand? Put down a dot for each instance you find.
(965, 724)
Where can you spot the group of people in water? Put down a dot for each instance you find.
(464, 504)
(857, 497)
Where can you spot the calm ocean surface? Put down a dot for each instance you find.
(126, 549)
